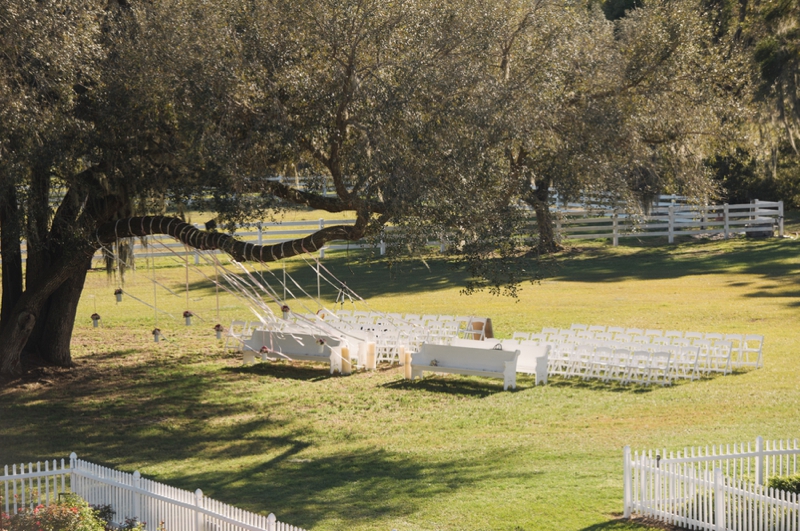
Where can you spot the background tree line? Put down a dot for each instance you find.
(439, 117)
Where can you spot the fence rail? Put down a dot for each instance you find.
(717, 488)
(160, 506)
(671, 221)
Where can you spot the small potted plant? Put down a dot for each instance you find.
(321, 345)
(118, 294)
(156, 334)
(187, 315)
(218, 328)
(95, 319)
(286, 310)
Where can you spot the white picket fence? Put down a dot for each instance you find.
(717, 488)
(160, 506)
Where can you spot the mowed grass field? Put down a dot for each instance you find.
(372, 451)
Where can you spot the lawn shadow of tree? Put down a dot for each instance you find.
(461, 386)
(285, 370)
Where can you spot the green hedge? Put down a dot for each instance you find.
(787, 483)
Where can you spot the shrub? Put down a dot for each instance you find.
(72, 514)
(787, 483)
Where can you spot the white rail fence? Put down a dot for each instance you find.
(718, 488)
(671, 221)
(130, 496)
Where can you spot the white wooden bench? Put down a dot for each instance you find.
(533, 358)
(465, 360)
(294, 346)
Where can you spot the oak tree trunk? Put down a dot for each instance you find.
(59, 319)
(539, 200)
(10, 238)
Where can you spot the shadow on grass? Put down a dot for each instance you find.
(453, 386)
(284, 370)
(357, 486)
(773, 259)
(629, 524)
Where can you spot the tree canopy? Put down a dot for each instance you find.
(440, 118)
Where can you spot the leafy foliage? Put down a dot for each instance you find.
(786, 483)
(72, 515)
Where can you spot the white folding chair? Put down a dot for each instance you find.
(601, 362)
(638, 367)
(654, 333)
(558, 363)
(752, 345)
(673, 333)
(686, 362)
(634, 331)
(579, 327)
(662, 341)
(579, 360)
(659, 368)
(603, 336)
(640, 340)
(720, 357)
(681, 342)
(692, 335)
(521, 335)
(615, 330)
(617, 369)
(429, 318)
(237, 333)
(737, 341)
(705, 354)
(597, 328)
(713, 336)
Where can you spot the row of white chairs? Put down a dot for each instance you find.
(620, 365)
(688, 362)
(467, 325)
(746, 348)
(715, 356)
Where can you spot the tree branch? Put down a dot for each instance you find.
(239, 250)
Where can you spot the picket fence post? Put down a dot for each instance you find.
(780, 219)
(137, 497)
(271, 522)
(615, 241)
(671, 224)
(719, 500)
(73, 477)
(260, 233)
(199, 516)
(626, 482)
(760, 460)
(383, 247)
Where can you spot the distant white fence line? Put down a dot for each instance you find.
(717, 488)
(570, 224)
(130, 496)
(673, 220)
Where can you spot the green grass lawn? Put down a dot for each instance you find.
(372, 451)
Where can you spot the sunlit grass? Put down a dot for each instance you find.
(371, 451)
